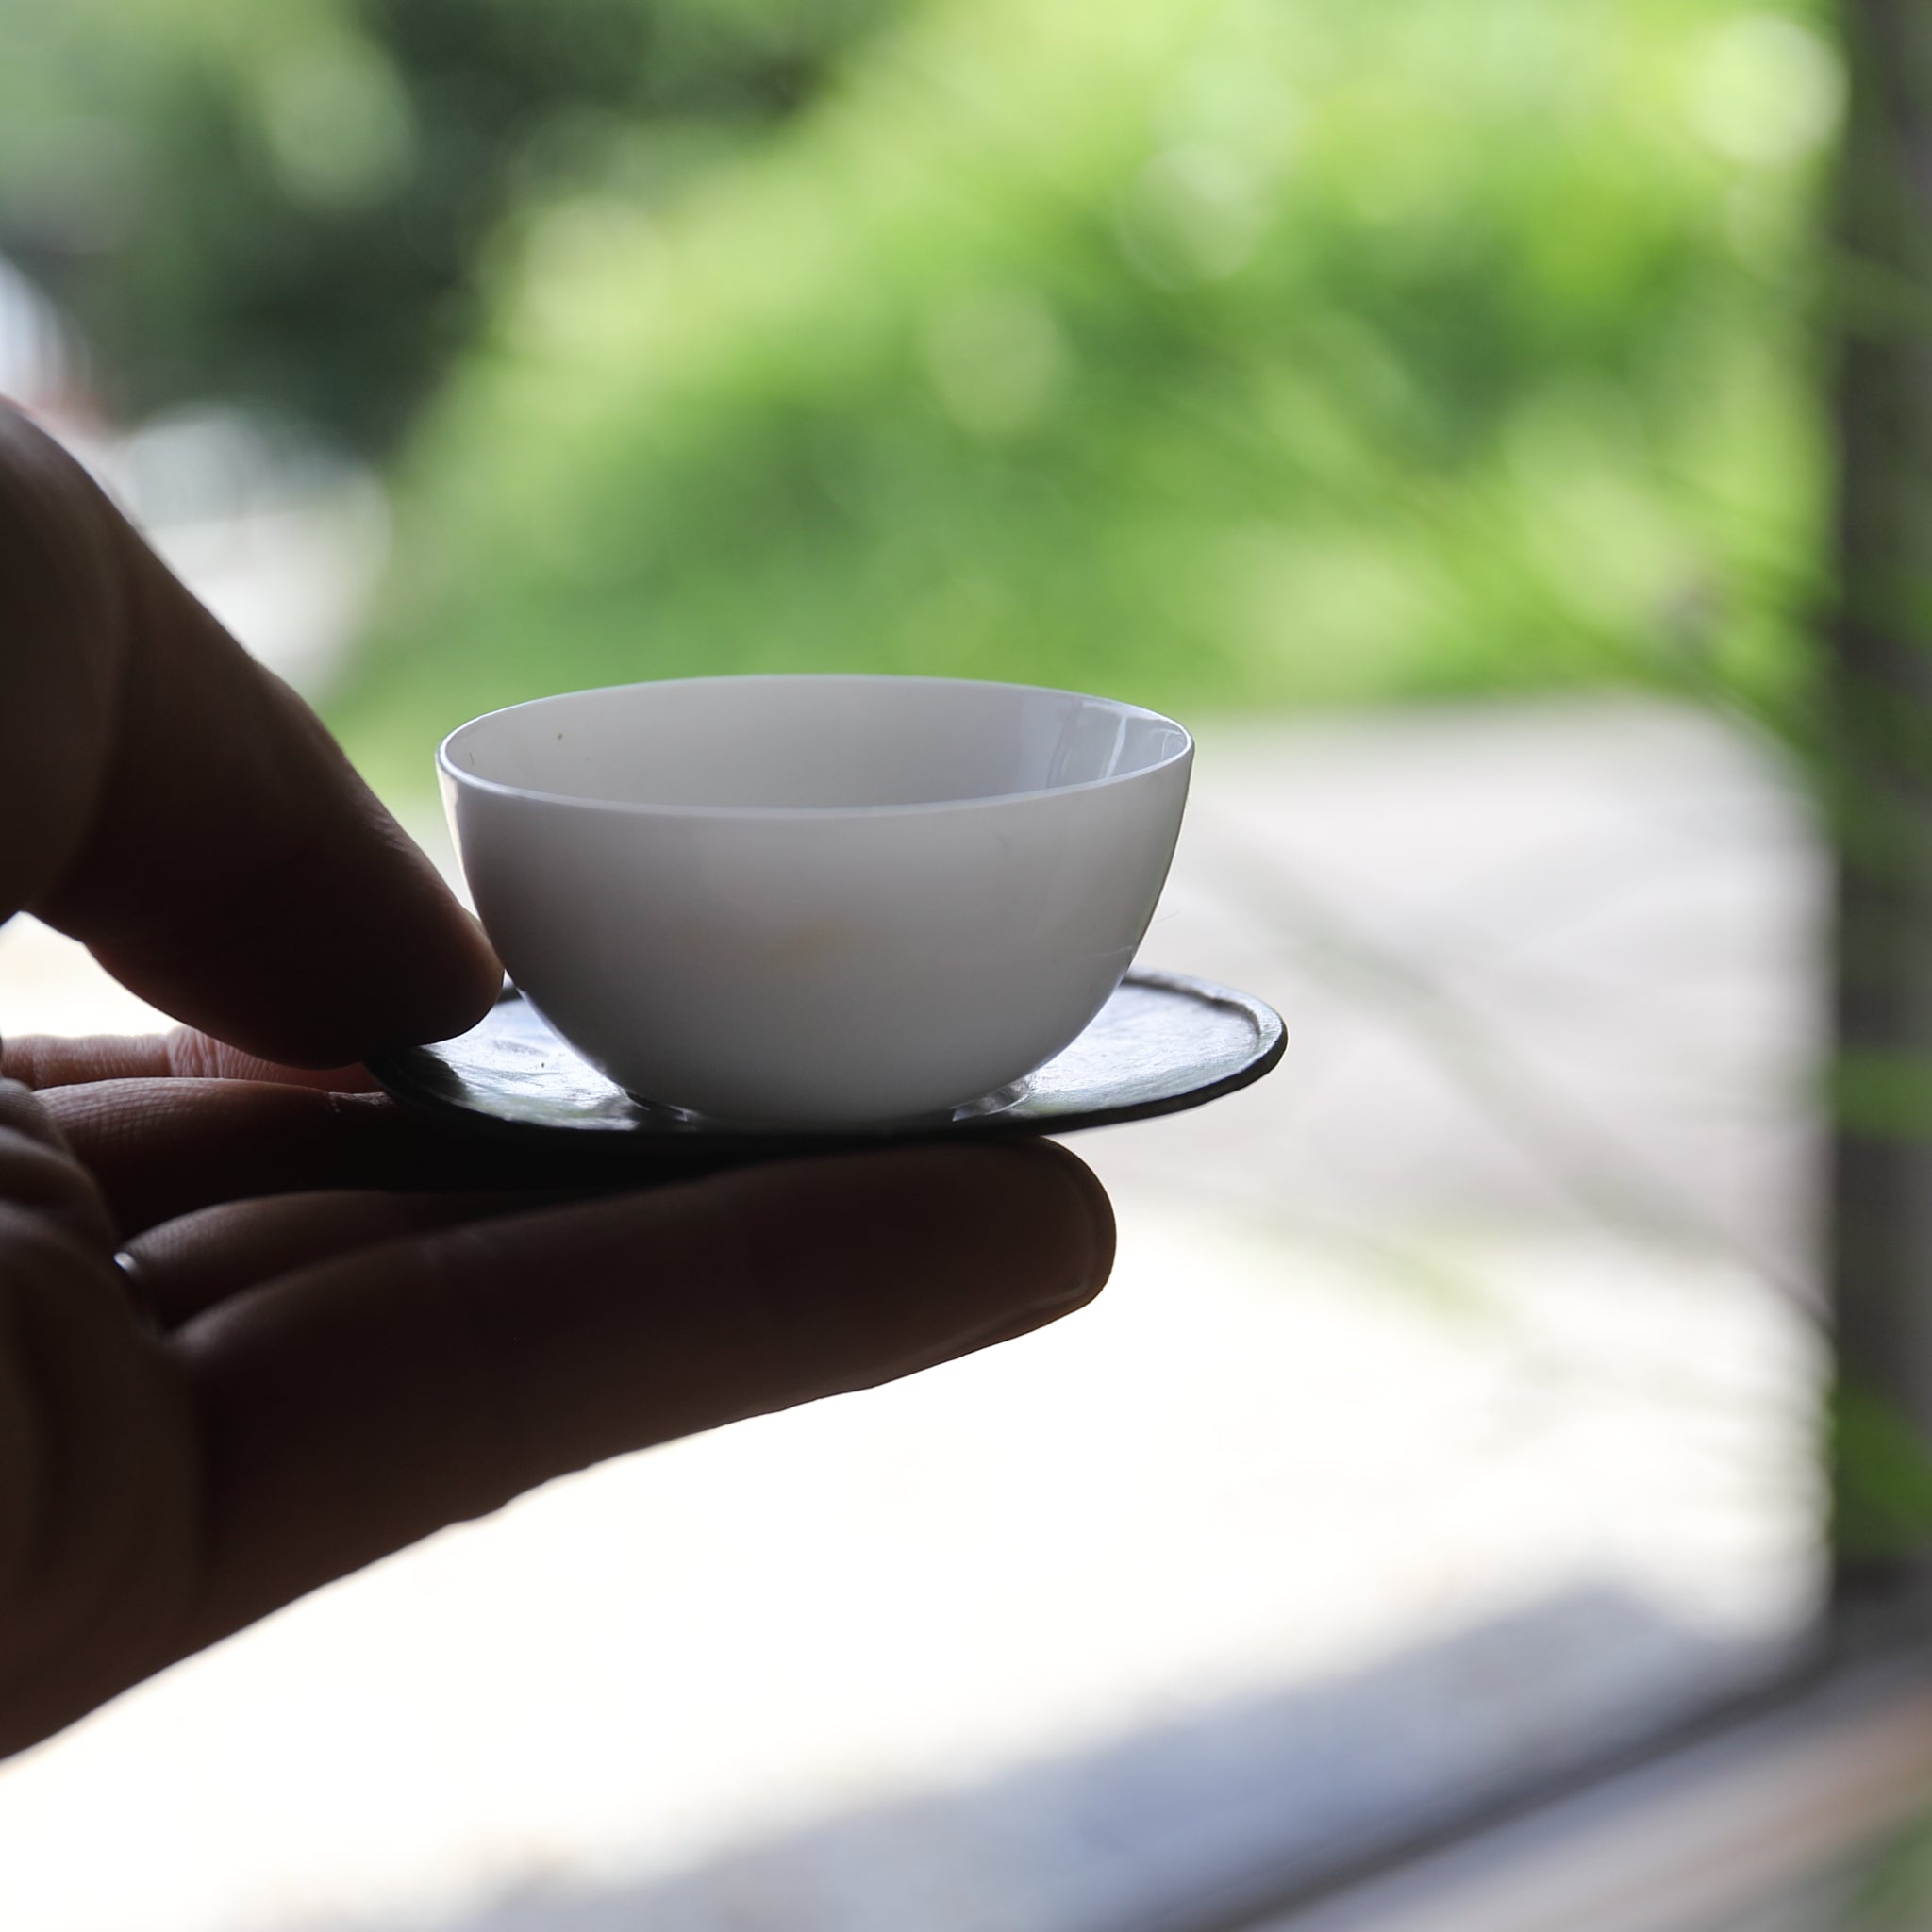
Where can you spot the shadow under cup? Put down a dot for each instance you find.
(816, 901)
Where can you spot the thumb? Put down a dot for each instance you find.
(183, 813)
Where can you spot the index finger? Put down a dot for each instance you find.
(356, 1405)
(58, 1059)
(179, 810)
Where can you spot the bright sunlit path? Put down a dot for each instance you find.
(1249, 1468)
(1387, 1468)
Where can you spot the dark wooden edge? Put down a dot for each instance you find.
(1845, 1666)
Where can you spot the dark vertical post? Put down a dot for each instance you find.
(1878, 670)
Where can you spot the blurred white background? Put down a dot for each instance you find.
(1441, 1425)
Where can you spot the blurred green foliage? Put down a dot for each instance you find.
(289, 205)
(1212, 355)
(1890, 1888)
(1882, 1501)
(1214, 352)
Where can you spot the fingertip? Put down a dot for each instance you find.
(407, 963)
(1052, 1201)
(1096, 1205)
(1019, 1221)
(455, 979)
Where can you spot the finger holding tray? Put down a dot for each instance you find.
(747, 916)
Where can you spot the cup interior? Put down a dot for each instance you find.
(809, 743)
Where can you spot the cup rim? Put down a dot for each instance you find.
(641, 809)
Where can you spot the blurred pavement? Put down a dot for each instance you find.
(1452, 1408)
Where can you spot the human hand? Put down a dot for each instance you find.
(339, 1329)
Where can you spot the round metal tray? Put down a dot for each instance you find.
(1162, 1043)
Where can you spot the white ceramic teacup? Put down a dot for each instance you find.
(816, 900)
